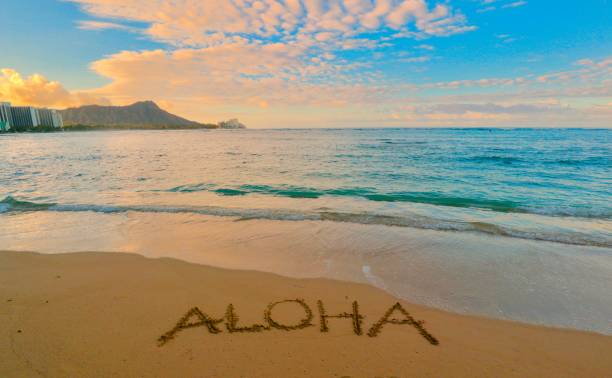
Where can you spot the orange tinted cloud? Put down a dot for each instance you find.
(236, 74)
(37, 90)
(260, 83)
(206, 22)
(101, 25)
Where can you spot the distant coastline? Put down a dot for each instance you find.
(38, 129)
(143, 115)
(80, 127)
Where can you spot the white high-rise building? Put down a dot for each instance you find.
(50, 118)
(5, 116)
(24, 117)
(58, 121)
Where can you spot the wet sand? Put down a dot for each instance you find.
(528, 281)
(102, 314)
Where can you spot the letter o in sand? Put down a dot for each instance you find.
(306, 322)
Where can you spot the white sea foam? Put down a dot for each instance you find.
(407, 219)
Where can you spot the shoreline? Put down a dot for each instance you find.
(463, 273)
(418, 214)
(99, 314)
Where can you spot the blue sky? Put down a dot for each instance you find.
(311, 63)
(44, 38)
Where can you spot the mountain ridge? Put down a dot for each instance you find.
(141, 113)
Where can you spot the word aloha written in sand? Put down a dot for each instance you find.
(196, 318)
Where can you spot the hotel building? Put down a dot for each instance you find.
(22, 118)
(50, 117)
(5, 116)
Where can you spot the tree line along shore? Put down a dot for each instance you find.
(82, 127)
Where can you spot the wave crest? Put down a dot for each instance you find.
(11, 204)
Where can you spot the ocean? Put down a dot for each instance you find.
(538, 193)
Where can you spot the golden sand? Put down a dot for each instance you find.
(106, 314)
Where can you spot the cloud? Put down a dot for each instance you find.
(589, 73)
(101, 25)
(277, 84)
(276, 74)
(505, 38)
(576, 97)
(490, 108)
(486, 9)
(272, 62)
(425, 47)
(37, 90)
(415, 59)
(262, 53)
(202, 23)
(547, 113)
(491, 5)
(515, 4)
(479, 83)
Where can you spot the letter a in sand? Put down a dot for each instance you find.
(201, 320)
(418, 324)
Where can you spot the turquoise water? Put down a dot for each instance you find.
(542, 184)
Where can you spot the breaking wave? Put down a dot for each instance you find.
(13, 205)
(429, 198)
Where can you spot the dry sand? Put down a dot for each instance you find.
(101, 314)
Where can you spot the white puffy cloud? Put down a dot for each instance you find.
(198, 23)
(261, 52)
(276, 74)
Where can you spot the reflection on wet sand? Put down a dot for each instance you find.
(547, 283)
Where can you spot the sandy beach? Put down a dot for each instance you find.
(349, 189)
(102, 314)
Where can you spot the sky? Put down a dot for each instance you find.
(314, 63)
